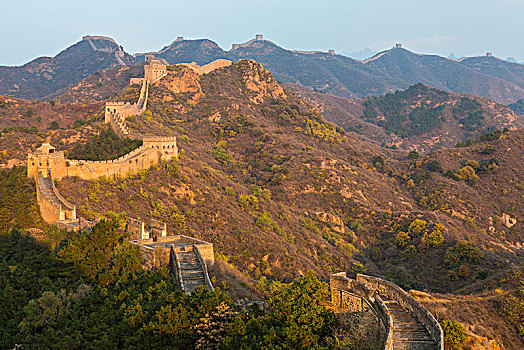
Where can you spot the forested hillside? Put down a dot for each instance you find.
(279, 192)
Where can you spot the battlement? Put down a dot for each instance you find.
(99, 37)
(162, 244)
(156, 139)
(200, 70)
(116, 103)
(45, 159)
(258, 37)
(154, 71)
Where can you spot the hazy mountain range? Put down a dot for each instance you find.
(387, 71)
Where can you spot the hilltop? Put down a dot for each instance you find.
(327, 72)
(46, 77)
(422, 118)
(280, 191)
(385, 72)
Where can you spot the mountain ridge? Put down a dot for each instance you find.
(327, 72)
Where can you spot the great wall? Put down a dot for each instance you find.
(186, 257)
(407, 323)
(119, 51)
(46, 164)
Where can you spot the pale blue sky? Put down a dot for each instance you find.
(33, 28)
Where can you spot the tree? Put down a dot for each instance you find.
(435, 166)
(103, 253)
(295, 319)
(513, 309)
(454, 335)
(467, 173)
(413, 154)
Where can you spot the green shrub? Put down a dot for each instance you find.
(264, 221)
(409, 252)
(434, 238)
(248, 201)
(467, 173)
(379, 162)
(402, 238)
(451, 174)
(417, 227)
(413, 154)
(454, 335)
(434, 166)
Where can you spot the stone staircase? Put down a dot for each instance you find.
(409, 325)
(46, 192)
(46, 187)
(192, 272)
(408, 332)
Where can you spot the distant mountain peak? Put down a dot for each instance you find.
(361, 55)
(99, 37)
(259, 39)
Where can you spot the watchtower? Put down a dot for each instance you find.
(46, 159)
(398, 46)
(259, 37)
(154, 71)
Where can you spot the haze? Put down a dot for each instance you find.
(463, 27)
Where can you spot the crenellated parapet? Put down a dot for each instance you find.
(408, 324)
(53, 207)
(46, 160)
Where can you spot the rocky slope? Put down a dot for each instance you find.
(279, 191)
(420, 118)
(46, 77)
(387, 71)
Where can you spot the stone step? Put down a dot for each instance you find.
(412, 336)
(414, 345)
(409, 327)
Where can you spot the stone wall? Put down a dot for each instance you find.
(200, 70)
(45, 159)
(136, 229)
(151, 152)
(53, 207)
(157, 229)
(343, 287)
(394, 292)
(154, 71)
(205, 248)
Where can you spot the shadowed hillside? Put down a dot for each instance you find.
(46, 77)
(421, 118)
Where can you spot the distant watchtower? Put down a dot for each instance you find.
(179, 38)
(489, 54)
(148, 57)
(398, 46)
(154, 71)
(331, 52)
(259, 37)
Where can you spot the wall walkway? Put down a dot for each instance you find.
(408, 324)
